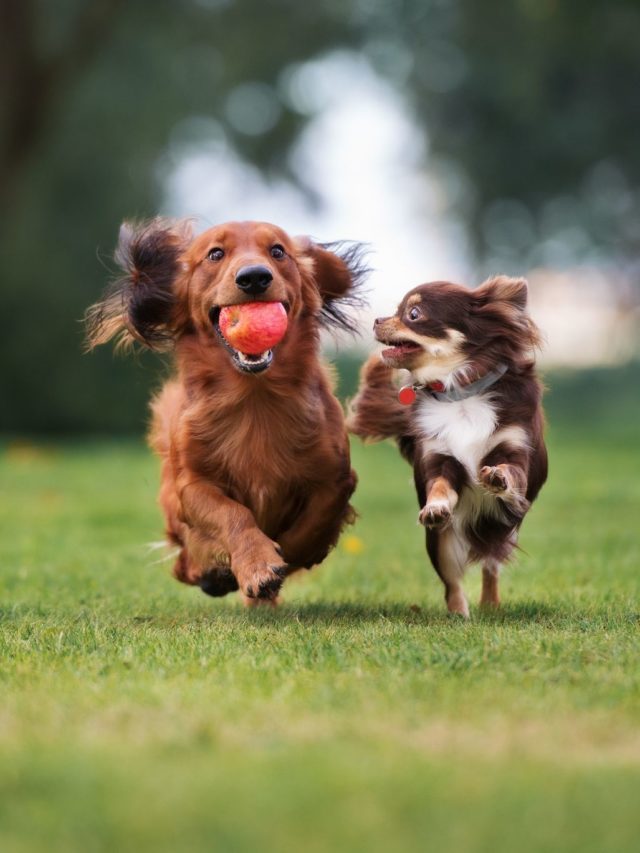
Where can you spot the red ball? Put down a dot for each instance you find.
(253, 327)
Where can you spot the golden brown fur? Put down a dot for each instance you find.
(256, 478)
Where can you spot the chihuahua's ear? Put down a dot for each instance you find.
(502, 302)
(502, 288)
(142, 304)
(338, 271)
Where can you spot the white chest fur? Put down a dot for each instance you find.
(464, 429)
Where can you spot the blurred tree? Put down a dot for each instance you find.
(90, 95)
(35, 77)
(530, 108)
(533, 109)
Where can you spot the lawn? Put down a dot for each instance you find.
(138, 714)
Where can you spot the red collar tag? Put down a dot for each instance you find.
(436, 386)
(406, 395)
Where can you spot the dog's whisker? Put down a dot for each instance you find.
(156, 546)
(170, 555)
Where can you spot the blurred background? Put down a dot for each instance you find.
(458, 139)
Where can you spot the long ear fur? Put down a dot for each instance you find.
(141, 305)
(502, 302)
(339, 271)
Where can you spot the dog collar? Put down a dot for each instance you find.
(408, 393)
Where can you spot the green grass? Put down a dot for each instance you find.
(135, 713)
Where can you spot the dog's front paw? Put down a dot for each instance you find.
(494, 478)
(435, 515)
(260, 571)
(218, 581)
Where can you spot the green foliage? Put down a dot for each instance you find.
(517, 101)
(138, 714)
(528, 109)
(102, 155)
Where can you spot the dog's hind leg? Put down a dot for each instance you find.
(439, 480)
(449, 554)
(218, 581)
(317, 529)
(492, 562)
(490, 596)
(215, 581)
(196, 565)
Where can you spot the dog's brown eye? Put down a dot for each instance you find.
(414, 314)
(216, 254)
(277, 252)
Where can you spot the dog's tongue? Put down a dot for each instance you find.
(400, 350)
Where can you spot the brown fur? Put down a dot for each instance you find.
(446, 333)
(256, 478)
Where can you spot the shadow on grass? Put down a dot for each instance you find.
(326, 613)
(525, 613)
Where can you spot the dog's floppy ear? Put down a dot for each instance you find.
(142, 305)
(338, 271)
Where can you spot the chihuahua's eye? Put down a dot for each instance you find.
(216, 254)
(414, 314)
(277, 252)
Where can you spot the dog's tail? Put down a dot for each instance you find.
(375, 413)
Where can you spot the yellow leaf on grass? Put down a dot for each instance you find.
(353, 544)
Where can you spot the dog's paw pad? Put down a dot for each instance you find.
(435, 515)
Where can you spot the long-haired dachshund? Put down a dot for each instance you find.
(256, 476)
(470, 420)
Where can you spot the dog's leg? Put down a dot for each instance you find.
(230, 528)
(252, 603)
(193, 565)
(316, 530)
(490, 596)
(196, 565)
(441, 501)
(503, 473)
(449, 555)
(439, 480)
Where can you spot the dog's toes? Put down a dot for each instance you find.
(218, 582)
(260, 602)
(494, 478)
(436, 515)
(457, 604)
(270, 587)
(266, 583)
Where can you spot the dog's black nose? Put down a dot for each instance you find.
(254, 280)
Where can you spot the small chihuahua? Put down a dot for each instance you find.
(470, 420)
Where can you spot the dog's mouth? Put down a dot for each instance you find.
(243, 361)
(399, 349)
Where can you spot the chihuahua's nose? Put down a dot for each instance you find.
(379, 320)
(254, 280)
